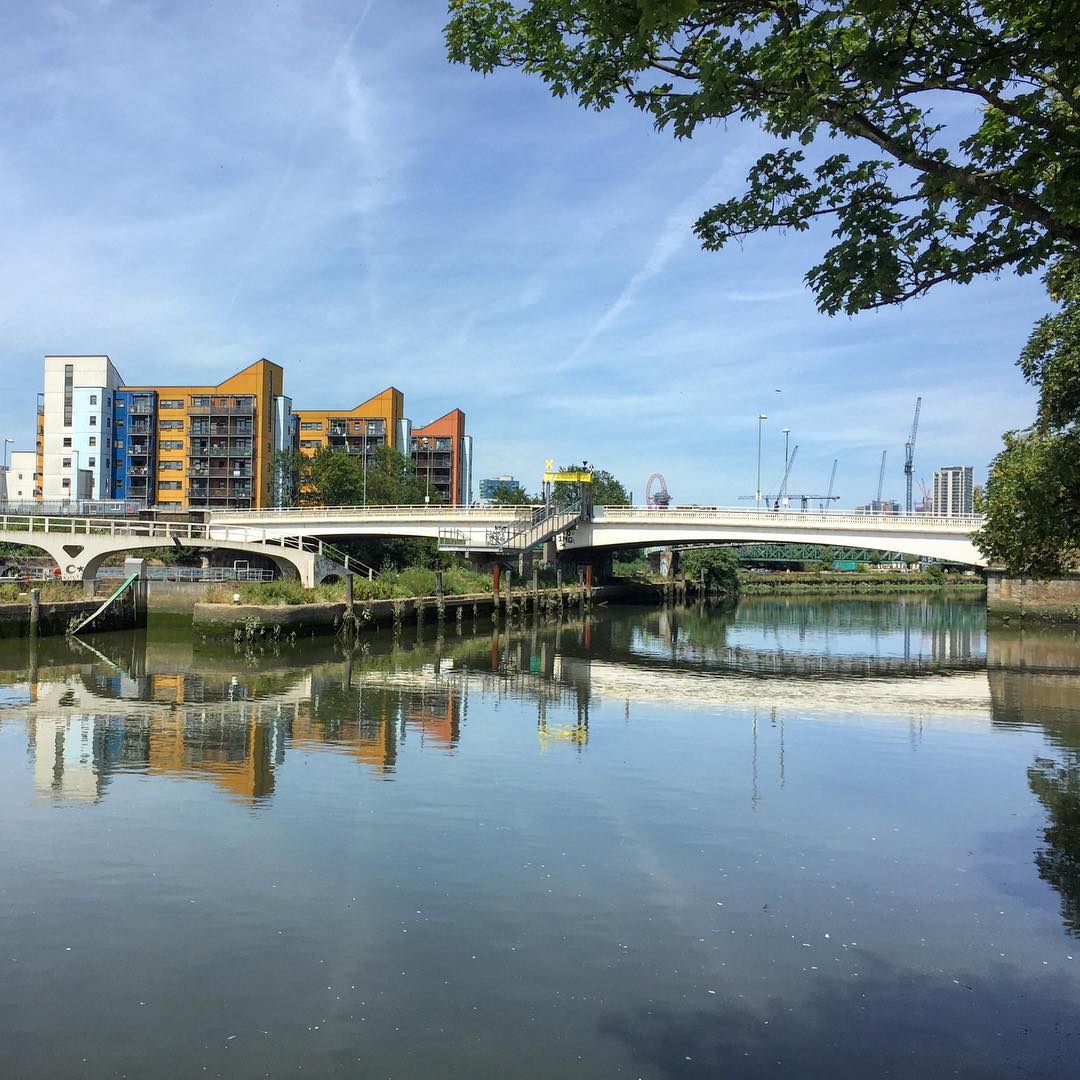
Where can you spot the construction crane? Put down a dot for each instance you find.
(881, 478)
(825, 498)
(909, 454)
(832, 482)
(787, 473)
(783, 485)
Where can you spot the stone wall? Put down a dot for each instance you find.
(1057, 599)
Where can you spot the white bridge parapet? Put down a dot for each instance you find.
(924, 535)
(295, 538)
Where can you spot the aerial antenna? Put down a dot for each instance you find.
(909, 453)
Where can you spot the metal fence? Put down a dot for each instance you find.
(193, 574)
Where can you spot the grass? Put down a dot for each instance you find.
(51, 592)
(389, 585)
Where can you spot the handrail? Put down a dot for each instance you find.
(115, 595)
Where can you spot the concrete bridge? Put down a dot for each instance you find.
(297, 540)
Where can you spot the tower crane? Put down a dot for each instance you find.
(832, 481)
(881, 478)
(787, 473)
(909, 454)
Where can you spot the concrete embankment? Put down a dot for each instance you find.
(1055, 600)
(283, 620)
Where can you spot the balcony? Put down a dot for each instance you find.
(141, 449)
(141, 408)
(138, 470)
(231, 407)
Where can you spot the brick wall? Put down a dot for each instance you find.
(1057, 599)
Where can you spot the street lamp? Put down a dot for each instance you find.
(783, 491)
(761, 417)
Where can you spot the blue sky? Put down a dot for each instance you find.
(188, 187)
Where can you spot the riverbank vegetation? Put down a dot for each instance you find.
(412, 581)
(51, 591)
(826, 583)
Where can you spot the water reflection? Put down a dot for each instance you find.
(663, 833)
(133, 703)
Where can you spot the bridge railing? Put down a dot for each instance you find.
(74, 526)
(830, 518)
(314, 512)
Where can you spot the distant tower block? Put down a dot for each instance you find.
(656, 492)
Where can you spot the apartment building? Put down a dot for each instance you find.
(953, 490)
(20, 481)
(379, 421)
(442, 456)
(76, 424)
(212, 445)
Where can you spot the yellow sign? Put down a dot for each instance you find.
(570, 476)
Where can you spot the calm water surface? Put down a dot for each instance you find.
(800, 839)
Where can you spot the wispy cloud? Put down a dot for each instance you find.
(675, 234)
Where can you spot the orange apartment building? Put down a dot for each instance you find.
(214, 443)
(442, 455)
(379, 421)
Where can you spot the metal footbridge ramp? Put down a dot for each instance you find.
(545, 523)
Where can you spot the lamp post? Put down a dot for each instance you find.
(6, 441)
(787, 435)
(427, 485)
(761, 417)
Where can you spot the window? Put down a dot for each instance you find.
(119, 424)
(200, 402)
(310, 444)
(67, 441)
(171, 425)
(172, 444)
(117, 444)
(172, 403)
(169, 485)
(69, 392)
(108, 463)
(93, 463)
(66, 463)
(93, 399)
(311, 425)
(170, 466)
(120, 404)
(66, 482)
(93, 421)
(108, 421)
(93, 440)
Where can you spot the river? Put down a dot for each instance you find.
(801, 838)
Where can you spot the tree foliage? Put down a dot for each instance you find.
(961, 115)
(1032, 497)
(719, 567)
(607, 490)
(504, 495)
(333, 478)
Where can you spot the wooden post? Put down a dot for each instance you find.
(438, 583)
(349, 595)
(535, 581)
(35, 612)
(588, 580)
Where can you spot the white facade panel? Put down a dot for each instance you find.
(70, 384)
